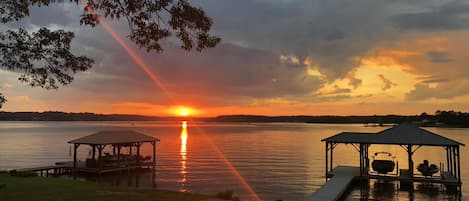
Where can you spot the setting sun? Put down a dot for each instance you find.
(183, 111)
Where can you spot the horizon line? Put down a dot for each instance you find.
(232, 114)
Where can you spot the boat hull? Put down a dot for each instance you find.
(383, 166)
(427, 170)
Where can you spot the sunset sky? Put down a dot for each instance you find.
(277, 57)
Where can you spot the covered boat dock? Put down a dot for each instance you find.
(100, 162)
(405, 135)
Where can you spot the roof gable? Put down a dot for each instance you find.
(401, 134)
(114, 137)
(410, 134)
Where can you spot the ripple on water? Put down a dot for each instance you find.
(279, 161)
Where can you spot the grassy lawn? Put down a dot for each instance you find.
(55, 189)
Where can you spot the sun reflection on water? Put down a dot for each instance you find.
(183, 153)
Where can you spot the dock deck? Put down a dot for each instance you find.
(66, 167)
(56, 170)
(337, 185)
(342, 177)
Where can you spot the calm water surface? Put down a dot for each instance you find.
(277, 160)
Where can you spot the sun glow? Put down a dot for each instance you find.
(182, 111)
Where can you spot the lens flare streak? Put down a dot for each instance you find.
(140, 63)
(230, 165)
(137, 59)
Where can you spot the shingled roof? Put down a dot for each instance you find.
(114, 137)
(402, 134)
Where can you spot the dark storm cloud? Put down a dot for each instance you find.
(452, 15)
(227, 70)
(336, 97)
(334, 34)
(61, 14)
(446, 90)
(338, 90)
(438, 57)
(56, 15)
(432, 79)
(331, 33)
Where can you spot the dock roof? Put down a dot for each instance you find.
(402, 134)
(114, 137)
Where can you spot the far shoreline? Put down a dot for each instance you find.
(442, 119)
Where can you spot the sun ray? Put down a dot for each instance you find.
(230, 165)
(140, 63)
(138, 60)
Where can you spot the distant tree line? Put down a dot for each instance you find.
(377, 119)
(452, 118)
(440, 118)
(62, 116)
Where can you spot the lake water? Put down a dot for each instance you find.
(277, 161)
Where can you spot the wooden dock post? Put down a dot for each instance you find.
(74, 171)
(459, 167)
(411, 162)
(154, 165)
(332, 157)
(138, 154)
(327, 158)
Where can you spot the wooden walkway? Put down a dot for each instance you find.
(337, 185)
(342, 177)
(56, 170)
(66, 167)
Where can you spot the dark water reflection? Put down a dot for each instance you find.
(140, 179)
(392, 191)
(282, 161)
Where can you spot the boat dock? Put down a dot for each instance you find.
(408, 137)
(341, 177)
(337, 185)
(104, 162)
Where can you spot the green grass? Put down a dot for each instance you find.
(56, 189)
